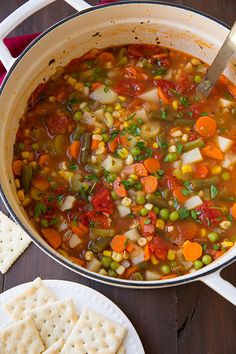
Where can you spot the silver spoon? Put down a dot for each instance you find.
(219, 63)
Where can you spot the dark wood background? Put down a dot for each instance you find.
(189, 319)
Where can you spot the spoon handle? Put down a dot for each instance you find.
(219, 63)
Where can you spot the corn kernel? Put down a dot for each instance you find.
(175, 104)
(126, 124)
(148, 206)
(186, 169)
(122, 98)
(129, 160)
(26, 132)
(88, 255)
(102, 271)
(126, 202)
(126, 255)
(134, 177)
(108, 119)
(123, 153)
(160, 224)
(195, 61)
(25, 154)
(101, 148)
(172, 148)
(71, 81)
(158, 77)
(225, 224)
(26, 201)
(203, 232)
(34, 164)
(52, 99)
(117, 257)
(154, 260)
(66, 174)
(184, 138)
(83, 105)
(97, 137)
(17, 183)
(118, 107)
(155, 145)
(226, 244)
(79, 86)
(142, 241)
(120, 270)
(176, 133)
(171, 255)
(97, 131)
(107, 253)
(116, 114)
(21, 195)
(216, 170)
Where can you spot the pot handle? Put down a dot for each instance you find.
(19, 15)
(221, 286)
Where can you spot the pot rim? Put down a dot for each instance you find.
(62, 260)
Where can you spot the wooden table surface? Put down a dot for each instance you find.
(189, 319)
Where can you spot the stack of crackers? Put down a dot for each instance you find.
(42, 324)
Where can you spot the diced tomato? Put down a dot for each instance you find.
(209, 214)
(129, 87)
(166, 86)
(99, 219)
(158, 247)
(184, 84)
(57, 125)
(102, 201)
(170, 181)
(141, 50)
(183, 230)
(147, 223)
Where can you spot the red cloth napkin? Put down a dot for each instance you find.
(17, 44)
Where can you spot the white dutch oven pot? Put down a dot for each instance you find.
(114, 24)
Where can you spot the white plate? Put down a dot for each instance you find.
(82, 296)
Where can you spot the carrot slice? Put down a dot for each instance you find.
(140, 170)
(210, 150)
(106, 56)
(169, 276)
(17, 167)
(147, 254)
(77, 261)
(162, 95)
(112, 145)
(131, 270)
(178, 194)
(95, 144)
(150, 184)
(119, 243)
(233, 211)
(74, 149)
(130, 246)
(136, 208)
(192, 251)
(152, 165)
(79, 229)
(43, 160)
(53, 237)
(95, 85)
(119, 188)
(40, 182)
(201, 171)
(206, 126)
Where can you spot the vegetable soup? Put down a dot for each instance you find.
(125, 169)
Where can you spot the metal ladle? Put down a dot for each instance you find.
(220, 62)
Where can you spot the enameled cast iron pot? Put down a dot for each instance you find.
(114, 24)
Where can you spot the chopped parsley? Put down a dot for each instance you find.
(131, 116)
(106, 89)
(194, 214)
(186, 192)
(179, 148)
(148, 221)
(160, 71)
(127, 184)
(53, 221)
(134, 129)
(93, 178)
(183, 213)
(114, 134)
(214, 191)
(39, 209)
(141, 145)
(72, 166)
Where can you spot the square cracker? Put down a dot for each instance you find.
(21, 337)
(36, 295)
(55, 348)
(55, 320)
(13, 242)
(94, 334)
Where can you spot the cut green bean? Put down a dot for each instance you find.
(104, 232)
(198, 143)
(184, 123)
(85, 147)
(27, 174)
(204, 183)
(78, 132)
(101, 244)
(157, 201)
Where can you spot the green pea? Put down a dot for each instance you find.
(135, 151)
(114, 195)
(111, 177)
(226, 176)
(206, 259)
(105, 137)
(136, 276)
(35, 146)
(112, 273)
(106, 261)
(197, 79)
(131, 181)
(156, 210)
(44, 223)
(171, 157)
(213, 237)
(165, 269)
(198, 264)
(78, 115)
(143, 212)
(174, 216)
(140, 199)
(164, 214)
(114, 265)
(21, 146)
(138, 186)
